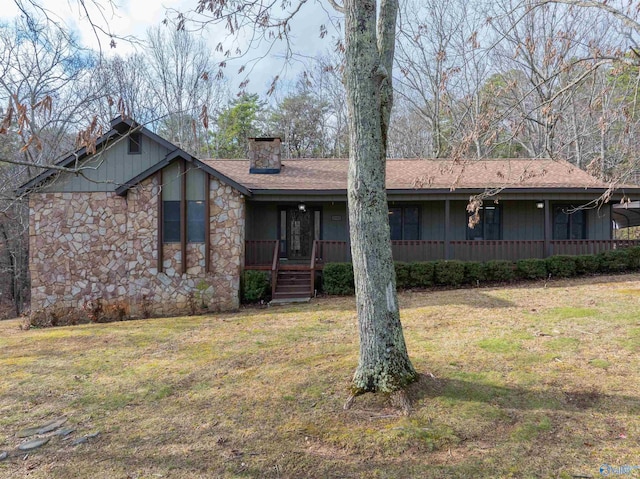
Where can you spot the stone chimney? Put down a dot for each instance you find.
(264, 155)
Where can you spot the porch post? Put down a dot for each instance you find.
(547, 229)
(447, 225)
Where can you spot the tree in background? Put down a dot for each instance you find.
(44, 96)
(237, 122)
(299, 119)
(182, 82)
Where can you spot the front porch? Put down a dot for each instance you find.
(304, 236)
(265, 255)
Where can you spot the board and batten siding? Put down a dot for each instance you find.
(522, 220)
(335, 222)
(262, 221)
(432, 220)
(108, 170)
(599, 226)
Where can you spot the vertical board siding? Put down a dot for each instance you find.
(262, 221)
(112, 168)
(521, 220)
(599, 223)
(333, 228)
(458, 220)
(432, 220)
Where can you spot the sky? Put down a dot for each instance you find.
(132, 18)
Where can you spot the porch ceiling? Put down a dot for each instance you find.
(627, 214)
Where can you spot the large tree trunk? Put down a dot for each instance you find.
(384, 363)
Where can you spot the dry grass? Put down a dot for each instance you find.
(521, 382)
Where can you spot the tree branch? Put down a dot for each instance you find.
(339, 8)
(628, 21)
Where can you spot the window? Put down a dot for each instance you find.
(134, 143)
(569, 224)
(404, 222)
(489, 226)
(195, 205)
(171, 212)
(172, 198)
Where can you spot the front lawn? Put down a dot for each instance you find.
(529, 381)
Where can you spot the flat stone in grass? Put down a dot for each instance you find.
(30, 431)
(52, 426)
(65, 432)
(83, 439)
(3, 455)
(45, 428)
(33, 444)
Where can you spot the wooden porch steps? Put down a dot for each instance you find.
(293, 284)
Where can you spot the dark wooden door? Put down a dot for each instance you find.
(300, 233)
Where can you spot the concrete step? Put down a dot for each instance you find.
(292, 288)
(291, 296)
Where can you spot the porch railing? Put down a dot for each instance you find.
(259, 253)
(580, 247)
(328, 251)
(417, 250)
(263, 254)
(484, 250)
(274, 267)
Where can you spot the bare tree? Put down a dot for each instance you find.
(43, 79)
(543, 55)
(125, 84)
(432, 37)
(369, 45)
(323, 81)
(184, 84)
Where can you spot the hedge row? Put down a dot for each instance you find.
(337, 278)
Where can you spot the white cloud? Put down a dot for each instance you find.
(132, 18)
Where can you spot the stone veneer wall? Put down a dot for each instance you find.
(85, 246)
(78, 249)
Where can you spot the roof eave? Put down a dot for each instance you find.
(427, 191)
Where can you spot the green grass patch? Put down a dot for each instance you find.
(570, 313)
(600, 363)
(499, 345)
(514, 382)
(531, 429)
(562, 344)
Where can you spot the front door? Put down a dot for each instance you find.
(300, 234)
(298, 228)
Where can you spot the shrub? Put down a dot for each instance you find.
(633, 258)
(614, 261)
(403, 275)
(587, 264)
(449, 273)
(255, 286)
(337, 279)
(499, 270)
(561, 266)
(474, 272)
(531, 268)
(421, 274)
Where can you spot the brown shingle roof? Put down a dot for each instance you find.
(406, 174)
